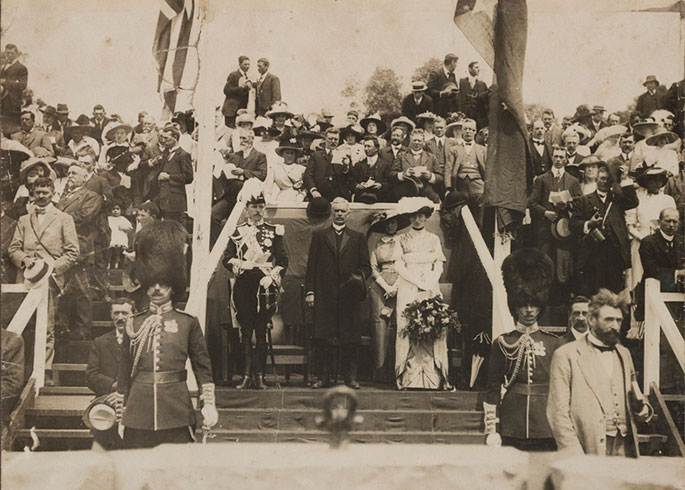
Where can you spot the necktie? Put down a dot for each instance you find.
(40, 210)
(440, 146)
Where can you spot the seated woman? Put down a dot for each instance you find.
(284, 180)
(419, 365)
(374, 126)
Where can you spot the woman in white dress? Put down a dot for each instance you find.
(422, 365)
(284, 180)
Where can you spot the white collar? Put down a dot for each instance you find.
(47, 208)
(472, 79)
(372, 160)
(576, 334)
(416, 153)
(524, 329)
(120, 336)
(247, 152)
(447, 73)
(602, 195)
(558, 172)
(595, 341)
(338, 227)
(666, 237)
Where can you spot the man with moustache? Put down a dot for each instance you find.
(335, 284)
(540, 150)
(395, 148)
(30, 136)
(372, 174)
(594, 397)
(416, 172)
(473, 96)
(326, 178)
(268, 87)
(662, 252)
(577, 319)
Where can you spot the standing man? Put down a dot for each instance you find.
(99, 121)
(175, 172)
(473, 96)
(83, 206)
(518, 375)
(540, 150)
(651, 100)
(335, 284)
(48, 234)
(417, 102)
(13, 80)
(236, 90)
(599, 220)
(268, 87)
(662, 252)
(325, 177)
(443, 88)
(416, 172)
(577, 319)
(553, 132)
(440, 145)
(593, 394)
(151, 383)
(256, 255)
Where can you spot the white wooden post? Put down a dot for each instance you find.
(41, 337)
(652, 336)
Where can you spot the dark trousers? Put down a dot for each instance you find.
(108, 439)
(408, 189)
(325, 355)
(222, 209)
(97, 271)
(245, 298)
(141, 438)
(74, 306)
(530, 445)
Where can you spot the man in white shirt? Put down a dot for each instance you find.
(577, 319)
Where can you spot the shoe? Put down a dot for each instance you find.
(259, 383)
(321, 384)
(244, 383)
(352, 383)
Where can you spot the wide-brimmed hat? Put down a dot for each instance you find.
(33, 162)
(62, 109)
(244, 118)
(319, 207)
(279, 109)
(308, 134)
(374, 118)
(659, 134)
(354, 129)
(38, 273)
(452, 126)
(591, 160)
(112, 127)
(427, 116)
(650, 78)
(99, 415)
(609, 131)
(288, 144)
(645, 128)
(403, 120)
(583, 113)
(49, 110)
(649, 173)
(418, 86)
(561, 230)
(87, 130)
(411, 205)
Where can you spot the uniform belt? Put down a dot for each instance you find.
(529, 389)
(160, 377)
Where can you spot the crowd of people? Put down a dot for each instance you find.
(604, 214)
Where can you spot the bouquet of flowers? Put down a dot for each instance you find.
(428, 319)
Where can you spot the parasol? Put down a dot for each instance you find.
(481, 348)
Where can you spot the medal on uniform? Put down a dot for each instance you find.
(170, 326)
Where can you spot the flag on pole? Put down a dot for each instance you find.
(498, 29)
(175, 49)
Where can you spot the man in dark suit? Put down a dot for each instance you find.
(628, 157)
(30, 136)
(662, 252)
(83, 206)
(417, 102)
(597, 121)
(326, 177)
(372, 175)
(443, 88)
(540, 151)
(545, 213)
(577, 319)
(103, 365)
(247, 163)
(236, 90)
(599, 220)
(393, 150)
(268, 87)
(99, 121)
(473, 96)
(175, 172)
(13, 80)
(335, 284)
(653, 99)
(416, 172)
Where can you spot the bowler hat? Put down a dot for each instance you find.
(650, 78)
(319, 207)
(62, 109)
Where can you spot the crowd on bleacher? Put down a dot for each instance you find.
(602, 186)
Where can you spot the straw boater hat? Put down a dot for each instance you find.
(112, 127)
(403, 120)
(375, 118)
(99, 415)
(279, 109)
(418, 86)
(289, 144)
(38, 273)
(659, 134)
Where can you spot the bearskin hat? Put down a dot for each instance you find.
(527, 275)
(160, 256)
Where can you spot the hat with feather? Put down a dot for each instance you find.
(527, 275)
(160, 256)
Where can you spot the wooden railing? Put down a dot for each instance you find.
(659, 319)
(36, 300)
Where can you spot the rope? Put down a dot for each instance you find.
(142, 339)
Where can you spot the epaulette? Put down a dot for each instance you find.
(550, 333)
(184, 313)
(140, 313)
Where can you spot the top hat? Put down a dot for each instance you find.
(62, 109)
(319, 207)
(374, 118)
(650, 78)
(560, 229)
(37, 274)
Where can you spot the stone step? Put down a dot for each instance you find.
(355, 437)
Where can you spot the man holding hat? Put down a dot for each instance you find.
(518, 374)
(442, 87)
(256, 255)
(152, 392)
(416, 172)
(46, 235)
(653, 99)
(417, 102)
(325, 177)
(237, 91)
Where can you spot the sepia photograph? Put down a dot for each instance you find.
(342, 244)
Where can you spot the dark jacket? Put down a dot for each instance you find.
(103, 364)
(380, 172)
(411, 109)
(436, 83)
(172, 192)
(328, 267)
(538, 202)
(648, 103)
(474, 101)
(268, 92)
(16, 77)
(330, 180)
(83, 206)
(12, 371)
(660, 259)
(541, 163)
(236, 97)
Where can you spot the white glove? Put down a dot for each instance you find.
(210, 415)
(266, 281)
(121, 431)
(118, 400)
(493, 440)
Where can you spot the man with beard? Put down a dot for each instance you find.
(577, 319)
(594, 397)
(103, 364)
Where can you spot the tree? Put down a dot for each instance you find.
(382, 92)
(424, 71)
(533, 111)
(351, 92)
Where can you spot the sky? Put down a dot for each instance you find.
(84, 52)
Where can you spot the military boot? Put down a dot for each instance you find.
(247, 359)
(261, 367)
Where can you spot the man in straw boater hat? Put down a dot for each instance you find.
(152, 393)
(417, 102)
(518, 374)
(256, 255)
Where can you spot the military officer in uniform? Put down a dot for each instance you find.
(256, 255)
(151, 384)
(518, 374)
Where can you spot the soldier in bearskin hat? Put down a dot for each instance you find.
(152, 393)
(256, 255)
(518, 374)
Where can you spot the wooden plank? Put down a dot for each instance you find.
(14, 288)
(665, 319)
(66, 390)
(25, 310)
(40, 341)
(18, 415)
(69, 367)
(652, 337)
(675, 445)
(56, 433)
(673, 297)
(62, 402)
